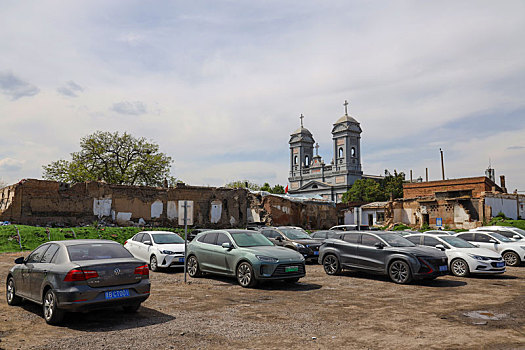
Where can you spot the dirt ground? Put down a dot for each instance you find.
(351, 311)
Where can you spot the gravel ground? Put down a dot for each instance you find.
(351, 311)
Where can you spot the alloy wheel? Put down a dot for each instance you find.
(10, 290)
(399, 272)
(49, 305)
(331, 265)
(459, 268)
(511, 259)
(192, 266)
(153, 263)
(244, 274)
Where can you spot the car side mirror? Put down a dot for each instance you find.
(279, 238)
(19, 260)
(516, 237)
(440, 247)
(227, 245)
(378, 245)
(147, 243)
(493, 241)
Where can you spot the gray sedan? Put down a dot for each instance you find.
(78, 275)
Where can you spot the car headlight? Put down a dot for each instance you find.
(168, 252)
(266, 258)
(298, 245)
(479, 257)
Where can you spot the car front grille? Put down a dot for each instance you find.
(280, 270)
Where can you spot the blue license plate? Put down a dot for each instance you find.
(316, 253)
(443, 268)
(500, 264)
(181, 259)
(115, 294)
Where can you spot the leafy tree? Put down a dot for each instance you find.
(266, 187)
(114, 158)
(364, 190)
(244, 184)
(368, 190)
(278, 189)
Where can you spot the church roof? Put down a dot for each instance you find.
(302, 130)
(346, 118)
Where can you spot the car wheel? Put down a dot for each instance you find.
(193, 267)
(511, 259)
(245, 275)
(459, 267)
(292, 280)
(399, 272)
(331, 264)
(10, 292)
(52, 314)
(131, 307)
(153, 263)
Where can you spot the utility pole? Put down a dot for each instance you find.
(185, 240)
(426, 171)
(517, 205)
(442, 164)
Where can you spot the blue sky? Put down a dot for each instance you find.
(220, 85)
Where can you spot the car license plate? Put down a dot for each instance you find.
(181, 259)
(316, 253)
(443, 268)
(291, 269)
(115, 294)
(500, 264)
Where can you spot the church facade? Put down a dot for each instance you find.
(311, 176)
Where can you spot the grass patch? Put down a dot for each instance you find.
(33, 236)
(499, 221)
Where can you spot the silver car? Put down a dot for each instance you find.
(78, 275)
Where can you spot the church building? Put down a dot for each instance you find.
(310, 176)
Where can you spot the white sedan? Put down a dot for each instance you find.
(464, 258)
(157, 248)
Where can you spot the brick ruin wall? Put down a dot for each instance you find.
(477, 185)
(40, 202)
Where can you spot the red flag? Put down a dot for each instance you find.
(286, 189)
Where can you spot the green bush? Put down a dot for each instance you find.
(401, 227)
(33, 236)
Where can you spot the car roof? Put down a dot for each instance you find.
(154, 232)
(71, 242)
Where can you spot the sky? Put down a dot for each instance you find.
(220, 85)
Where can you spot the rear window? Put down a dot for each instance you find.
(96, 251)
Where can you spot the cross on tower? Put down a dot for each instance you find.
(346, 107)
(301, 117)
(316, 149)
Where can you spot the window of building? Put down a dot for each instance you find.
(352, 152)
(306, 160)
(341, 152)
(380, 217)
(295, 160)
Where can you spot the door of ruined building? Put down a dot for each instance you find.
(370, 219)
(426, 219)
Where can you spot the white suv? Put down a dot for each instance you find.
(157, 248)
(513, 252)
(507, 231)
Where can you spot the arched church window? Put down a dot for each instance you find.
(341, 152)
(352, 152)
(295, 160)
(306, 160)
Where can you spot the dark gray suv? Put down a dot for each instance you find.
(382, 253)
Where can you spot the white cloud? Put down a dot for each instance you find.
(129, 108)
(15, 88)
(10, 164)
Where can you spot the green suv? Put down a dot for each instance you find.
(247, 255)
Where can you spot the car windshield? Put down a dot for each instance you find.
(167, 238)
(457, 242)
(96, 251)
(250, 239)
(501, 237)
(294, 233)
(396, 240)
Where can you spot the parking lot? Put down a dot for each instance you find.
(353, 310)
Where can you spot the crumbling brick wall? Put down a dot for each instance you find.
(477, 185)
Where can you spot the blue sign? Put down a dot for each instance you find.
(439, 222)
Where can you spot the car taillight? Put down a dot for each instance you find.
(80, 275)
(125, 242)
(142, 270)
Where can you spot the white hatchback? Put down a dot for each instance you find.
(157, 248)
(463, 258)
